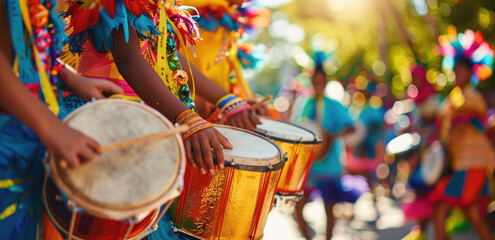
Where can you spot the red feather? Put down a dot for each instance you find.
(109, 6)
(134, 6)
(149, 8)
(81, 19)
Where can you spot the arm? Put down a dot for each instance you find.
(88, 88)
(70, 145)
(147, 84)
(211, 92)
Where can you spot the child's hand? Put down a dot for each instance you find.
(88, 88)
(71, 146)
(201, 143)
(245, 119)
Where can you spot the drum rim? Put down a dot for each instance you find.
(412, 148)
(169, 192)
(231, 161)
(285, 137)
(58, 226)
(434, 176)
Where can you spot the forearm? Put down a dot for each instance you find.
(205, 88)
(142, 77)
(22, 104)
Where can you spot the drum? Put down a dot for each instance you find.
(430, 168)
(404, 144)
(118, 195)
(301, 146)
(235, 202)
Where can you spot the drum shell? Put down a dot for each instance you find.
(221, 206)
(300, 157)
(87, 226)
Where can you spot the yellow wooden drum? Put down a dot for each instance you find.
(235, 202)
(119, 194)
(300, 145)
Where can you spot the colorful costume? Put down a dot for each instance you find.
(326, 174)
(219, 56)
(21, 170)
(426, 99)
(91, 26)
(463, 117)
(365, 157)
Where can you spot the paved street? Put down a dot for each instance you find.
(384, 222)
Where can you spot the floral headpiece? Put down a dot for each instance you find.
(468, 46)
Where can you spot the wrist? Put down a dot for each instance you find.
(45, 127)
(231, 104)
(193, 120)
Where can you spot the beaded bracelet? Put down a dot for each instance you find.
(231, 104)
(193, 120)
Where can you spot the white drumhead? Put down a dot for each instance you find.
(282, 130)
(403, 143)
(432, 163)
(130, 177)
(249, 149)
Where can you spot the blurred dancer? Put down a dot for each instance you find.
(333, 120)
(417, 206)
(369, 152)
(471, 152)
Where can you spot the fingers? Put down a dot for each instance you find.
(217, 150)
(85, 155)
(223, 140)
(188, 148)
(207, 158)
(93, 145)
(255, 120)
(196, 146)
(248, 122)
(68, 159)
(110, 88)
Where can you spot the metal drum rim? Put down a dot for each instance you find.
(285, 137)
(107, 211)
(231, 161)
(59, 227)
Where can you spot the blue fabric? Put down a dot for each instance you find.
(335, 119)
(22, 48)
(164, 231)
(209, 23)
(340, 189)
(373, 120)
(456, 184)
(21, 153)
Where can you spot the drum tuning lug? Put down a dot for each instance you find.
(154, 227)
(270, 166)
(133, 220)
(71, 204)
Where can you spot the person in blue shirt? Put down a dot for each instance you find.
(330, 120)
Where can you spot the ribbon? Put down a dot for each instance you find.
(46, 86)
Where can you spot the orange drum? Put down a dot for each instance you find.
(119, 195)
(235, 202)
(300, 145)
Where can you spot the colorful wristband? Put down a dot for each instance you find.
(193, 120)
(230, 104)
